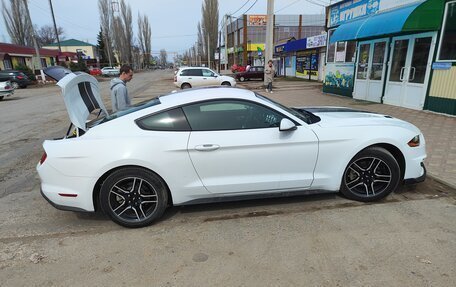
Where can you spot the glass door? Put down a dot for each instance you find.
(370, 70)
(408, 75)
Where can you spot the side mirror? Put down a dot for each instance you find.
(287, 125)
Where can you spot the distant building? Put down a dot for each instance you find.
(246, 35)
(12, 55)
(86, 50)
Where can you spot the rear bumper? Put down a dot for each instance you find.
(417, 179)
(62, 207)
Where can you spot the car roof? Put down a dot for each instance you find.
(193, 68)
(207, 93)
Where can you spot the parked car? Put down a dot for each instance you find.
(95, 71)
(110, 71)
(17, 78)
(6, 89)
(236, 68)
(256, 72)
(189, 77)
(219, 144)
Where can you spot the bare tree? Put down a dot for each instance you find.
(123, 33)
(163, 57)
(105, 10)
(46, 35)
(200, 51)
(17, 23)
(209, 25)
(144, 37)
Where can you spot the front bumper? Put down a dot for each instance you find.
(418, 179)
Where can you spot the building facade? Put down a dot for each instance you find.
(246, 35)
(86, 50)
(12, 56)
(401, 53)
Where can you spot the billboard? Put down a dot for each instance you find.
(352, 9)
(256, 20)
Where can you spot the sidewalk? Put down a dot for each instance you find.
(439, 130)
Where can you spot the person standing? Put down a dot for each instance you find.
(269, 73)
(119, 93)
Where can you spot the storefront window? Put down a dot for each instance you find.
(340, 52)
(448, 41)
(331, 48)
(350, 53)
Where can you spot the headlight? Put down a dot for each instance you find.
(414, 142)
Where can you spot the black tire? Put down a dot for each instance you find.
(226, 84)
(242, 79)
(371, 175)
(143, 194)
(1, 98)
(186, 86)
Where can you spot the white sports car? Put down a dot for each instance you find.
(216, 144)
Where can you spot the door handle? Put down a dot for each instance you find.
(204, 78)
(401, 77)
(207, 147)
(190, 78)
(414, 71)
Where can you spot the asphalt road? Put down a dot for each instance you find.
(409, 239)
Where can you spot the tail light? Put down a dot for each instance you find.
(19, 77)
(43, 158)
(7, 87)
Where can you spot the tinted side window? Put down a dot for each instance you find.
(191, 72)
(172, 120)
(230, 115)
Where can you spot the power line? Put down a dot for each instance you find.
(250, 7)
(240, 7)
(287, 6)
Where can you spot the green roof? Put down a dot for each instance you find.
(71, 42)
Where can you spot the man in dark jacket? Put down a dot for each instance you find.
(119, 93)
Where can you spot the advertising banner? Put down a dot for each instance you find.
(339, 75)
(256, 20)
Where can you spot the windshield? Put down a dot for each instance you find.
(302, 114)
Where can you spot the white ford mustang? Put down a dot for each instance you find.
(215, 144)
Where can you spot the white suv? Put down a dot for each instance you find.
(110, 71)
(189, 77)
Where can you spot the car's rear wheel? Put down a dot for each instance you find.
(1, 98)
(226, 84)
(242, 79)
(15, 85)
(133, 197)
(371, 175)
(186, 86)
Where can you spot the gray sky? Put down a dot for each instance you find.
(173, 22)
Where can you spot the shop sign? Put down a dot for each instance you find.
(256, 20)
(441, 66)
(352, 9)
(230, 50)
(279, 49)
(316, 41)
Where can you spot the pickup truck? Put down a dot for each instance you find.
(109, 71)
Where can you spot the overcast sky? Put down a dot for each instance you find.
(173, 22)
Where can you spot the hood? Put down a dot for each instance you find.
(115, 82)
(81, 94)
(345, 117)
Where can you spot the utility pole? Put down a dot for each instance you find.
(35, 43)
(208, 51)
(55, 26)
(226, 42)
(220, 51)
(269, 34)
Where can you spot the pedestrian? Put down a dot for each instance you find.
(269, 73)
(248, 67)
(119, 93)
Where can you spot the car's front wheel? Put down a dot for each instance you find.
(371, 175)
(14, 85)
(242, 79)
(133, 197)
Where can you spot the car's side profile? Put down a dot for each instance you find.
(190, 77)
(255, 72)
(216, 144)
(109, 71)
(17, 78)
(6, 89)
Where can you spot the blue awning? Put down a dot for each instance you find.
(379, 24)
